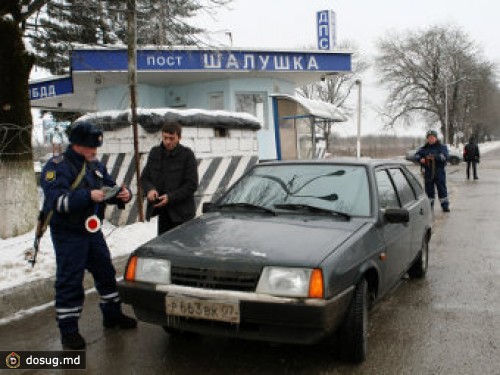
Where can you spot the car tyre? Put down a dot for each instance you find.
(353, 335)
(419, 267)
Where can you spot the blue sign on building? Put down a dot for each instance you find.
(327, 33)
(47, 89)
(209, 60)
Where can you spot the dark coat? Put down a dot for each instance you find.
(72, 207)
(174, 173)
(471, 152)
(438, 151)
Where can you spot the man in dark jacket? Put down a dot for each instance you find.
(433, 156)
(77, 187)
(170, 179)
(471, 156)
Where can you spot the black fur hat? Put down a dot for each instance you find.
(85, 134)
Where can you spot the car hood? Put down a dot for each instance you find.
(252, 240)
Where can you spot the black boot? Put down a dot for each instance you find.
(73, 341)
(121, 321)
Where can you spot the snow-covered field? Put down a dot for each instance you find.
(15, 270)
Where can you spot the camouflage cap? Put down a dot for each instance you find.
(431, 132)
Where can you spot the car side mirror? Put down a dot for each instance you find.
(397, 215)
(206, 207)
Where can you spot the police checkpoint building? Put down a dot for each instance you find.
(236, 107)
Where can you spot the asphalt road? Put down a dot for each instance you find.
(448, 323)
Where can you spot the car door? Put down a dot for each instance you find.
(397, 236)
(409, 201)
(419, 227)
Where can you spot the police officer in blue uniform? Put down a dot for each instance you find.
(79, 244)
(433, 157)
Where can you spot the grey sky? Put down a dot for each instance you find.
(291, 24)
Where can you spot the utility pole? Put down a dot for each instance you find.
(132, 80)
(358, 140)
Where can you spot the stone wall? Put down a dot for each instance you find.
(221, 161)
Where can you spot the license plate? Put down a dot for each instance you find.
(220, 310)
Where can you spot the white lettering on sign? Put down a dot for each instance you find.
(264, 60)
(313, 64)
(297, 63)
(323, 30)
(281, 63)
(326, 29)
(171, 61)
(212, 60)
(249, 62)
(42, 92)
(323, 43)
(232, 62)
(323, 17)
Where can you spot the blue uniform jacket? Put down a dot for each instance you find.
(72, 208)
(438, 150)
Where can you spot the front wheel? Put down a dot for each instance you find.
(419, 267)
(353, 335)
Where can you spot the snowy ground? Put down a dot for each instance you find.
(15, 270)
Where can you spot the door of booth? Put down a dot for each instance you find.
(294, 131)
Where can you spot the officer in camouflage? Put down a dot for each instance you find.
(77, 187)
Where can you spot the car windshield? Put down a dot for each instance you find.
(342, 190)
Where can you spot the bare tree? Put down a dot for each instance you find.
(336, 89)
(19, 201)
(437, 74)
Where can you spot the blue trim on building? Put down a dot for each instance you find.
(277, 128)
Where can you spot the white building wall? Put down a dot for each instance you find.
(196, 95)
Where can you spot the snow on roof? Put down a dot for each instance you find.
(152, 119)
(316, 108)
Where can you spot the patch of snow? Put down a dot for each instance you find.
(15, 270)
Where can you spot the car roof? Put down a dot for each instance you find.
(368, 162)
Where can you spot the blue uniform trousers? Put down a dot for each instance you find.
(75, 252)
(437, 181)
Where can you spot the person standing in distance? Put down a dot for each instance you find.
(433, 157)
(77, 187)
(471, 157)
(170, 179)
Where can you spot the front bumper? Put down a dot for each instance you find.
(262, 317)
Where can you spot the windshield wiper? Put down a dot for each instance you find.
(248, 205)
(301, 206)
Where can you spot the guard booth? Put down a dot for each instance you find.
(296, 121)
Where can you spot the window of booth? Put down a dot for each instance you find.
(254, 103)
(216, 101)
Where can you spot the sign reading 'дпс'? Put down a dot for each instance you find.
(326, 28)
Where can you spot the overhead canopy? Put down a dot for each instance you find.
(316, 108)
(93, 70)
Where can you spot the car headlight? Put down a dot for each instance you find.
(291, 282)
(151, 270)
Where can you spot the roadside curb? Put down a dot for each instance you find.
(39, 292)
